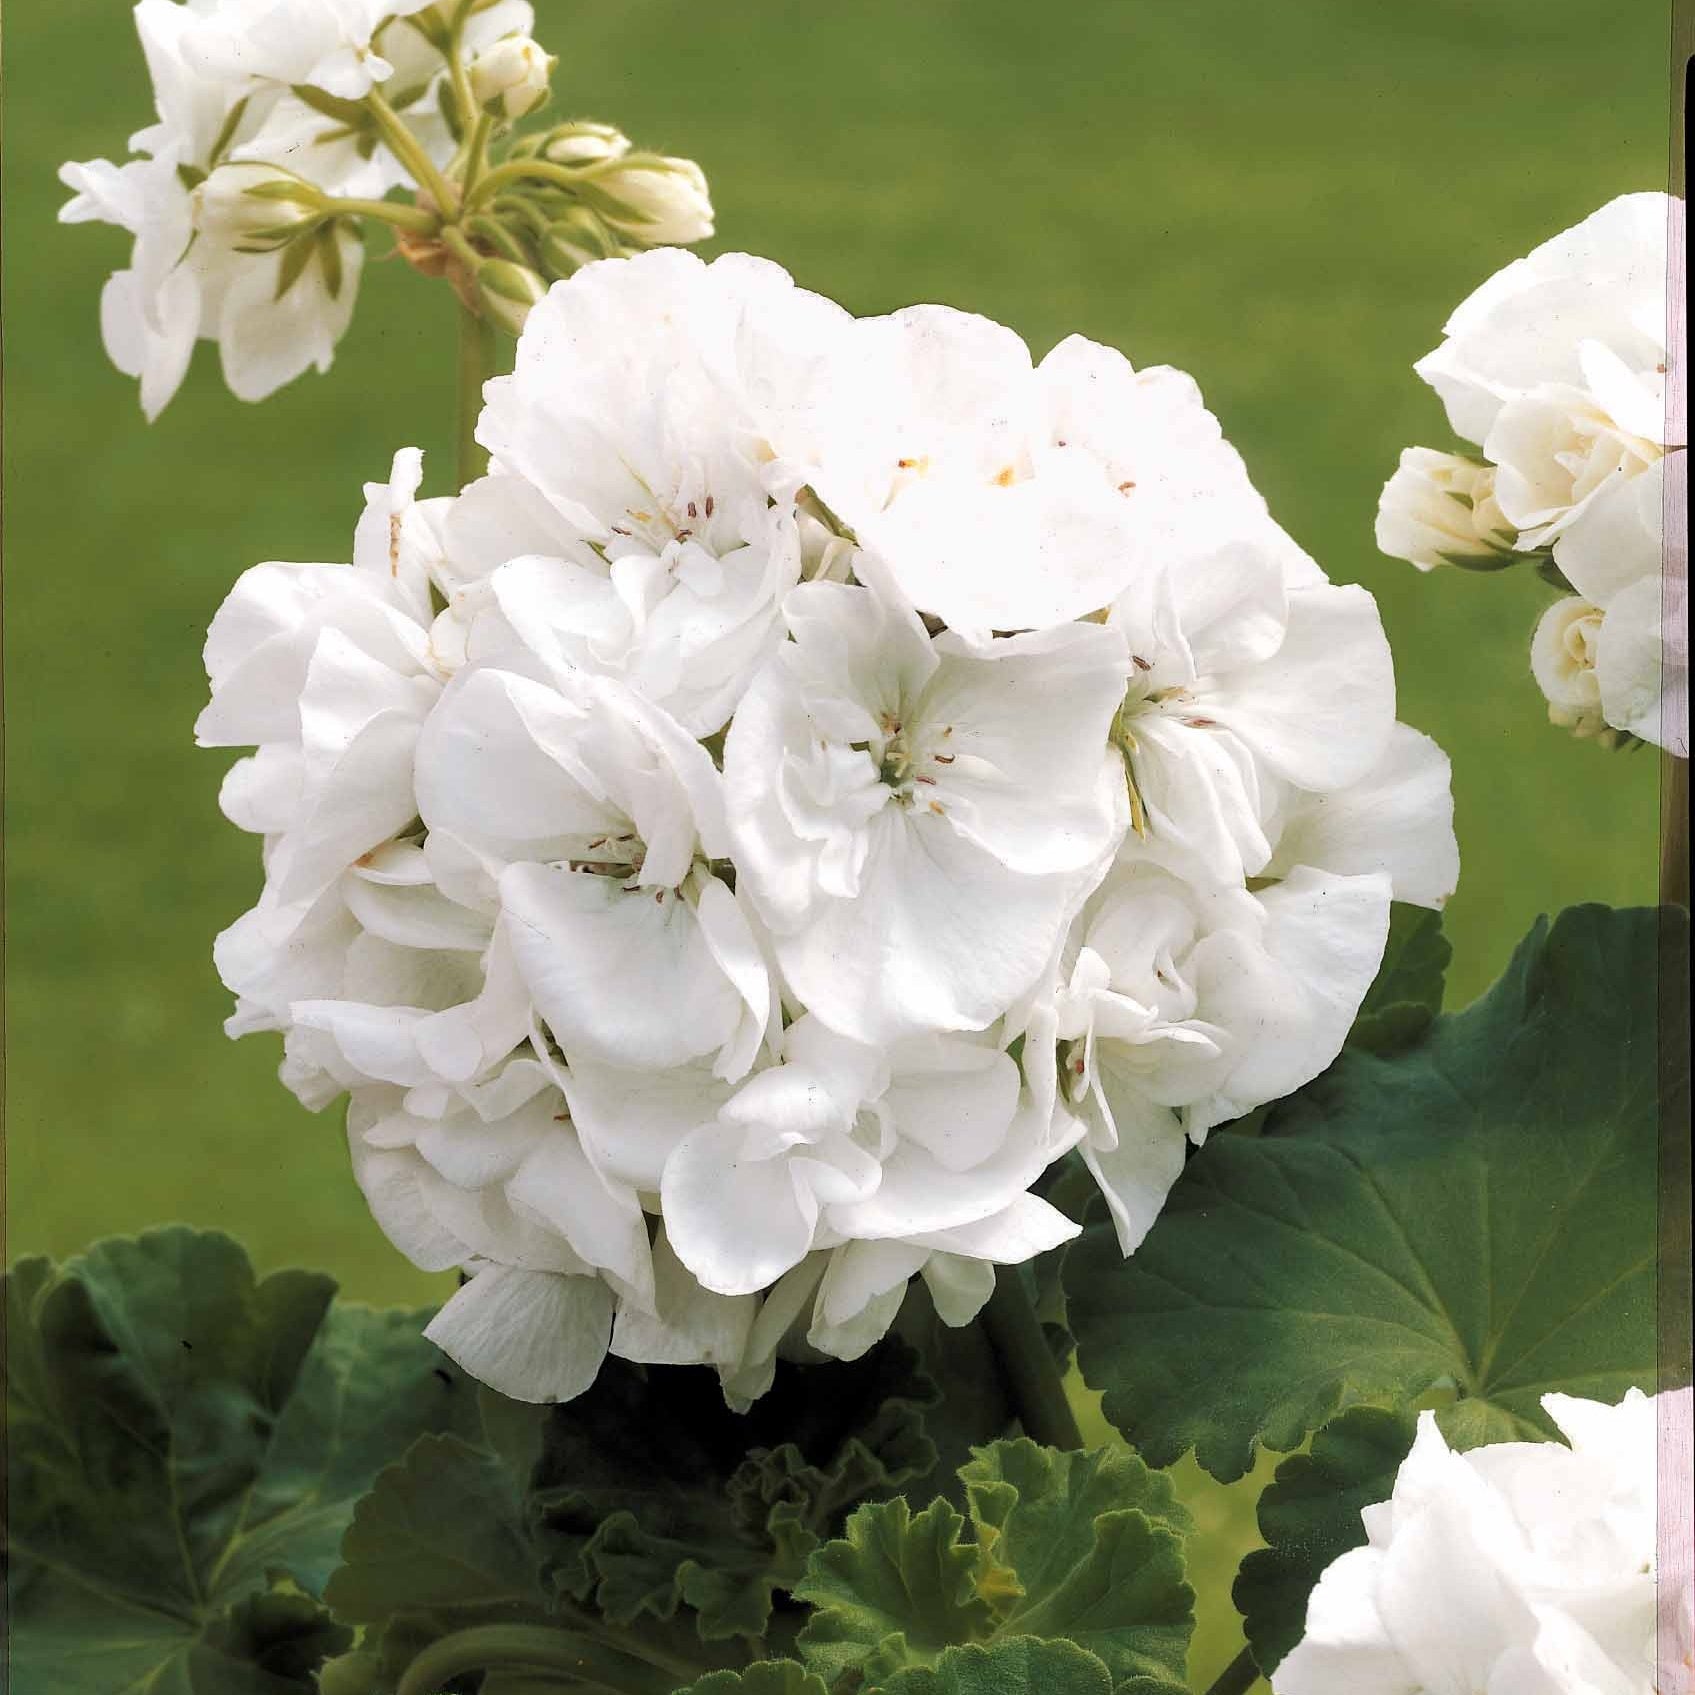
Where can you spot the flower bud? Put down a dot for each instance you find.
(584, 143)
(509, 79)
(1562, 659)
(576, 237)
(654, 201)
(508, 291)
(1439, 509)
(254, 207)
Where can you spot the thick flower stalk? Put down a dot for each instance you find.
(831, 770)
(286, 126)
(1521, 1566)
(1558, 369)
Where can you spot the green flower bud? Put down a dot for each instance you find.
(508, 291)
(584, 143)
(509, 79)
(254, 207)
(574, 238)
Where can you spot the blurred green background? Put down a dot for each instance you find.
(1284, 199)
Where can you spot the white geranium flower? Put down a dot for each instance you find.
(845, 1143)
(840, 1302)
(352, 156)
(1440, 509)
(1398, 820)
(327, 670)
(599, 821)
(914, 818)
(178, 289)
(217, 105)
(1626, 661)
(1517, 1566)
(1177, 1008)
(1241, 683)
(1585, 310)
(325, 44)
(998, 495)
(652, 408)
(1562, 660)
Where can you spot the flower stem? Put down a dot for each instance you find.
(476, 366)
(1674, 830)
(515, 170)
(1027, 1362)
(407, 148)
(1237, 1677)
(532, 1648)
(412, 218)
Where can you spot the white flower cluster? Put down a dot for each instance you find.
(283, 123)
(1557, 368)
(1521, 1568)
(828, 771)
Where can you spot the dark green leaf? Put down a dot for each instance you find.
(186, 1443)
(653, 1496)
(1019, 1666)
(1309, 1516)
(1475, 1214)
(1404, 1000)
(1084, 1546)
(765, 1677)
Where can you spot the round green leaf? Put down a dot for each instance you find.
(1475, 1215)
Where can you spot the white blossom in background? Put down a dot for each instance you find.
(224, 75)
(723, 890)
(1440, 509)
(1526, 1567)
(1558, 369)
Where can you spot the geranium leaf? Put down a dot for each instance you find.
(1084, 1546)
(1021, 1665)
(652, 1496)
(1403, 1001)
(1474, 1215)
(1309, 1516)
(440, 1538)
(764, 1677)
(187, 1444)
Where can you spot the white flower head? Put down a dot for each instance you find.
(1513, 1566)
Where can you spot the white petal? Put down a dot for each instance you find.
(621, 977)
(531, 1335)
(737, 1224)
(1398, 819)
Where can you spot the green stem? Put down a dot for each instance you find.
(515, 170)
(407, 148)
(531, 1648)
(413, 218)
(1237, 1677)
(1032, 1376)
(476, 366)
(476, 153)
(457, 73)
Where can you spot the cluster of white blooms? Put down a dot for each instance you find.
(283, 124)
(1557, 367)
(830, 769)
(1521, 1568)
